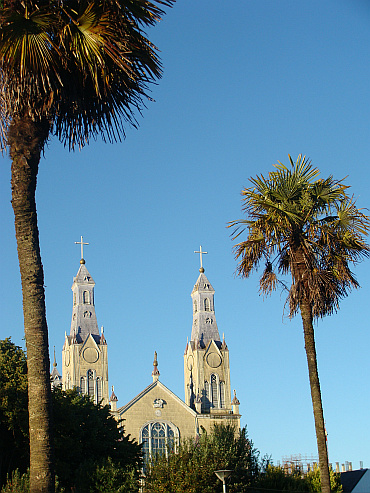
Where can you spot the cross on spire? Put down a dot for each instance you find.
(201, 258)
(82, 248)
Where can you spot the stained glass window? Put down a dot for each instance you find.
(158, 438)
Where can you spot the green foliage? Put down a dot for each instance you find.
(20, 483)
(86, 435)
(14, 453)
(313, 479)
(274, 479)
(112, 478)
(191, 470)
(89, 443)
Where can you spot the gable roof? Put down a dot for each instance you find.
(349, 479)
(150, 387)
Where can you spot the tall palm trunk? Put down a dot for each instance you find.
(26, 139)
(309, 340)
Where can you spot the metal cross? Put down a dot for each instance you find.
(82, 246)
(201, 253)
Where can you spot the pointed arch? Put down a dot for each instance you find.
(195, 306)
(207, 305)
(86, 297)
(159, 437)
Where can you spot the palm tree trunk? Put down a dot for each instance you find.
(309, 340)
(26, 140)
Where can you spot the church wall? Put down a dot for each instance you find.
(173, 411)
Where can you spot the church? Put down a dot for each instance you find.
(155, 417)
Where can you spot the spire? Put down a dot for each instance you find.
(155, 372)
(55, 378)
(204, 320)
(113, 401)
(113, 396)
(235, 401)
(84, 320)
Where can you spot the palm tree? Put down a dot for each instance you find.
(75, 69)
(310, 227)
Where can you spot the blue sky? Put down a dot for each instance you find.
(245, 84)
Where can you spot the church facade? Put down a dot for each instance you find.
(155, 417)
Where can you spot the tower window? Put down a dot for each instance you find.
(207, 305)
(90, 384)
(86, 297)
(195, 306)
(99, 389)
(206, 401)
(222, 394)
(83, 385)
(214, 391)
(74, 299)
(214, 394)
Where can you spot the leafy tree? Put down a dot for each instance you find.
(313, 478)
(13, 410)
(86, 438)
(310, 228)
(112, 478)
(89, 443)
(191, 469)
(275, 479)
(76, 70)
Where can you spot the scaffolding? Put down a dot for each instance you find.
(299, 463)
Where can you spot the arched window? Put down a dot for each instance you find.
(214, 391)
(222, 394)
(214, 394)
(74, 299)
(90, 384)
(158, 437)
(207, 305)
(83, 385)
(68, 381)
(195, 306)
(86, 297)
(98, 388)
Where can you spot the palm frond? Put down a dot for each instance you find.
(315, 229)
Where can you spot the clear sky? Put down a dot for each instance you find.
(245, 84)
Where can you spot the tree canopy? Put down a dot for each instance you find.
(89, 443)
(192, 468)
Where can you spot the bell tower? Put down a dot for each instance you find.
(85, 352)
(206, 358)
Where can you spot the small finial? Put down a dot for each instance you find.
(235, 401)
(155, 372)
(102, 329)
(113, 399)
